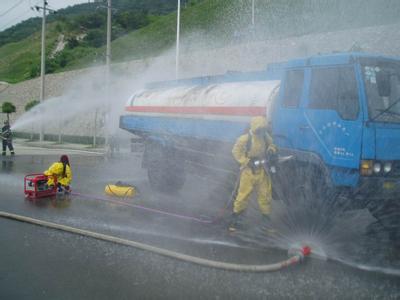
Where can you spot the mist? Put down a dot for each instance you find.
(95, 101)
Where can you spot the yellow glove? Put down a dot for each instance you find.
(272, 149)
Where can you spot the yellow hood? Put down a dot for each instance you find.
(257, 122)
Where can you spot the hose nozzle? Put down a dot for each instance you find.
(302, 251)
(306, 250)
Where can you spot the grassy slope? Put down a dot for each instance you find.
(214, 23)
(160, 35)
(17, 59)
(204, 18)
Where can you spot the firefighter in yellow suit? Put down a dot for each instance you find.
(249, 149)
(62, 171)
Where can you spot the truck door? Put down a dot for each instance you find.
(287, 113)
(333, 118)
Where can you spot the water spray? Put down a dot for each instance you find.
(297, 255)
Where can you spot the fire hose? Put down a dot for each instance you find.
(297, 255)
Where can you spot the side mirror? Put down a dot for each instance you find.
(383, 82)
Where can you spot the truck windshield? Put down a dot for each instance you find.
(382, 87)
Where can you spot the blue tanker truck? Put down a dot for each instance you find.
(337, 116)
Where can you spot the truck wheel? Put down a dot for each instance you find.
(388, 215)
(303, 184)
(165, 169)
(322, 196)
(295, 181)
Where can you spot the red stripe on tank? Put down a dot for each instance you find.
(211, 110)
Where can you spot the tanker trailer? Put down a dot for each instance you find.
(194, 126)
(336, 115)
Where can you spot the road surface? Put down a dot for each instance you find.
(40, 263)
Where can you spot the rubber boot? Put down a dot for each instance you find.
(12, 153)
(59, 188)
(234, 223)
(267, 224)
(67, 190)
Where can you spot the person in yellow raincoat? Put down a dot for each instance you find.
(249, 150)
(62, 171)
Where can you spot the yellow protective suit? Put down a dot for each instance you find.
(259, 179)
(56, 169)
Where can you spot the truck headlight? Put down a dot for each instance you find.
(387, 167)
(371, 167)
(366, 167)
(377, 167)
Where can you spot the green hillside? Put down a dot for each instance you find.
(21, 60)
(80, 11)
(83, 27)
(140, 32)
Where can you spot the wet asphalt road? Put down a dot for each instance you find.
(39, 263)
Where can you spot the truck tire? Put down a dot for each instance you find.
(388, 215)
(290, 182)
(301, 183)
(165, 168)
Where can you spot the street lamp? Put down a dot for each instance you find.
(178, 23)
(108, 63)
(252, 12)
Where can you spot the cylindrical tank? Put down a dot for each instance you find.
(233, 100)
(214, 111)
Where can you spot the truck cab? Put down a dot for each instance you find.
(341, 113)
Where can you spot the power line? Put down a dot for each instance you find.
(21, 15)
(16, 18)
(10, 9)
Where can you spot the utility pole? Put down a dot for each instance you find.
(43, 57)
(178, 25)
(42, 63)
(108, 52)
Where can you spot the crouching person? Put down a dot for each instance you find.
(61, 171)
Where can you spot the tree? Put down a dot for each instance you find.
(132, 20)
(96, 38)
(8, 108)
(31, 104)
(72, 42)
(93, 21)
(34, 71)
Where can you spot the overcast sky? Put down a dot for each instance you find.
(15, 11)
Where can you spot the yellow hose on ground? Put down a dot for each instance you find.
(297, 257)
